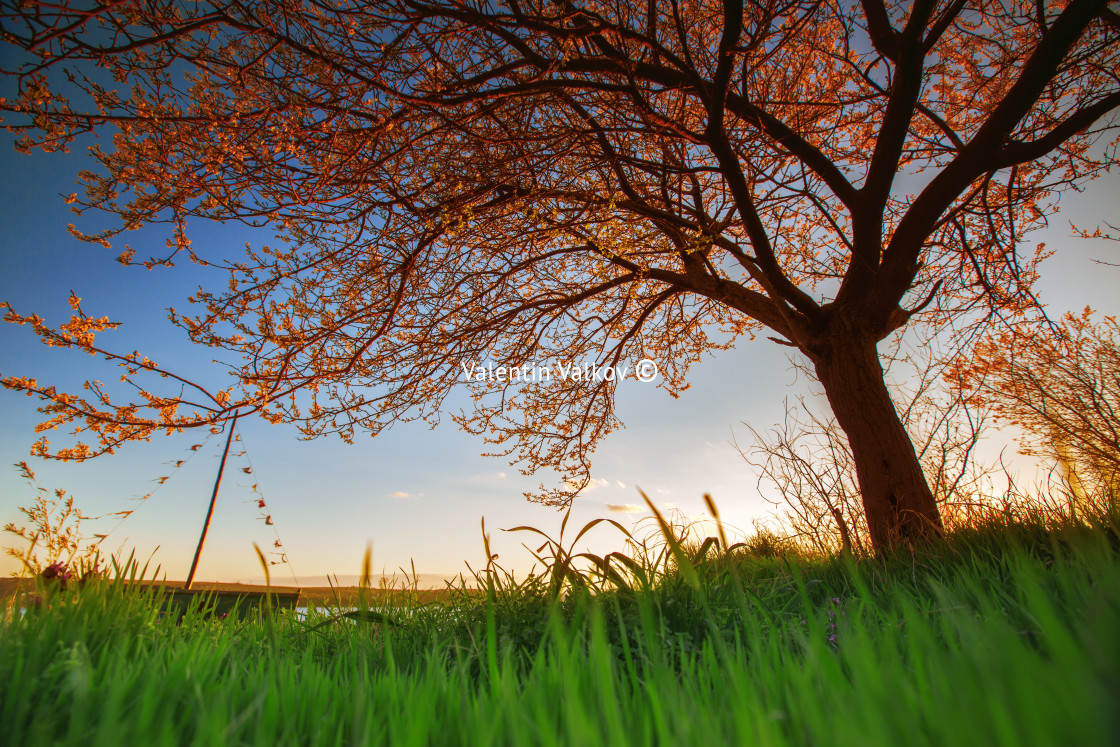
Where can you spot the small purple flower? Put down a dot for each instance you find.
(831, 628)
(57, 573)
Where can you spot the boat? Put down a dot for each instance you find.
(225, 602)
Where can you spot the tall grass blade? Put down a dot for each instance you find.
(366, 580)
(684, 565)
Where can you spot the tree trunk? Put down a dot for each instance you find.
(897, 502)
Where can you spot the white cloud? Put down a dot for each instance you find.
(488, 479)
(592, 485)
(620, 484)
(401, 495)
(626, 508)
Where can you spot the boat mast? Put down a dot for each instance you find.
(213, 498)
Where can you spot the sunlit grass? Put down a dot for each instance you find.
(1004, 636)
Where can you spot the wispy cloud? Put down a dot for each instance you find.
(600, 483)
(402, 495)
(488, 479)
(620, 484)
(626, 508)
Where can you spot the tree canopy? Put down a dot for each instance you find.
(531, 181)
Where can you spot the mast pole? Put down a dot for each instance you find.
(213, 498)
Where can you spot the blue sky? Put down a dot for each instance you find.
(416, 494)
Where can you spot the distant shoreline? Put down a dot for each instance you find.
(396, 580)
(312, 595)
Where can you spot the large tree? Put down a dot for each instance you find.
(538, 181)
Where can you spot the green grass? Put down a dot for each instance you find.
(1004, 636)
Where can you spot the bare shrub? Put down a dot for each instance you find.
(1060, 384)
